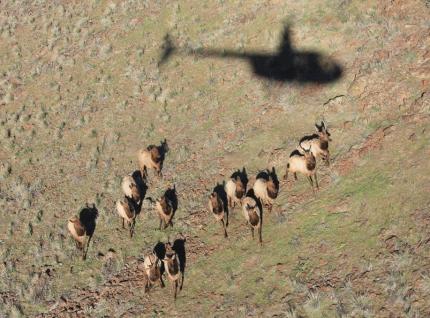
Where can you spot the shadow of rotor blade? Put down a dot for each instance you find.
(167, 50)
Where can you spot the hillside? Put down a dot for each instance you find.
(82, 89)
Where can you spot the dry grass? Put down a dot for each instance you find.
(81, 91)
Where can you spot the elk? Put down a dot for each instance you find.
(236, 188)
(166, 207)
(152, 271)
(216, 206)
(172, 266)
(253, 213)
(131, 189)
(318, 143)
(303, 162)
(77, 231)
(152, 157)
(82, 228)
(266, 187)
(127, 211)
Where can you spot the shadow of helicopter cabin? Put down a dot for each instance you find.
(286, 65)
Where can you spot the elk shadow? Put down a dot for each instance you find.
(220, 190)
(142, 187)
(163, 149)
(87, 217)
(287, 64)
(160, 251)
(179, 248)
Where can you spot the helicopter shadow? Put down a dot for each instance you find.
(288, 64)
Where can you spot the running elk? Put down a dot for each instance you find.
(82, 228)
(152, 157)
(131, 189)
(303, 162)
(253, 213)
(172, 266)
(236, 188)
(318, 143)
(152, 270)
(166, 207)
(218, 206)
(77, 231)
(126, 209)
(266, 187)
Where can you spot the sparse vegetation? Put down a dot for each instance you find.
(81, 91)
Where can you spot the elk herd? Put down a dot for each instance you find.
(170, 258)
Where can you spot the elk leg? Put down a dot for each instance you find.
(123, 226)
(182, 280)
(143, 172)
(85, 250)
(145, 286)
(223, 226)
(161, 282)
(316, 180)
(131, 229)
(286, 175)
(161, 223)
(176, 287)
(78, 245)
(311, 183)
(295, 176)
(229, 202)
(81, 249)
(252, 231)
(226, 215)
(260, 235)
